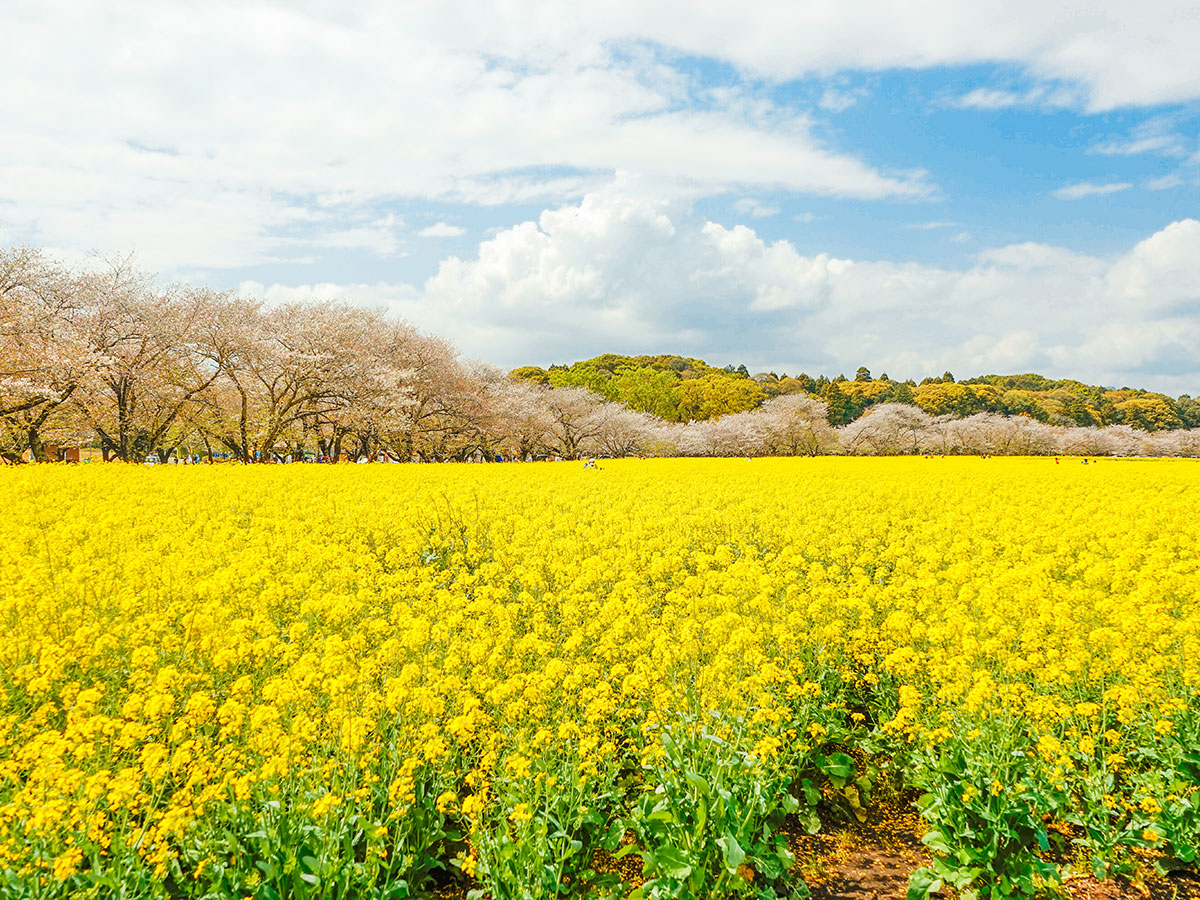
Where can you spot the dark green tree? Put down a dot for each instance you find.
(901, 393)
(839, 406)
(1189, 410)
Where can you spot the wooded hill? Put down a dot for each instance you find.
(681, 389)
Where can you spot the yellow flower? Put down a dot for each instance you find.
(521, 813)
(67, 863)
(324, 804)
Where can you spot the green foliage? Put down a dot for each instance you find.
(1150, 413)
(840, 407)
(985, 820)
(647, 389)
(710, 823)
(542, 832)
(536, 374)
(717, 395)
(674, 388)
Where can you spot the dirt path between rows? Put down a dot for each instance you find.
(872, 860)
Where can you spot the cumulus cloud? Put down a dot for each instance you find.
(201, 135)
(630, 274)
(196, 134)
(1088, 189)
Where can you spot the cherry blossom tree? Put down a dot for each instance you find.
(574, 421)
(277, 370)
(625, 432)
(149, 367)
(797, 425)
(519, 417)
(44, 353)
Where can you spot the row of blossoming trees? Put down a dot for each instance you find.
(102, 356)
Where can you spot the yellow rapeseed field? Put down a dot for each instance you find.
(369, 681)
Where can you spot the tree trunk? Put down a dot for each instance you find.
(37, 449)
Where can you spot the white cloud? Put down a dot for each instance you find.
(930, 226)
(1144, 141)
(839, 100)
(381, 294)
(1088, 189)
(751, 207)
(442, 229)
(202, 134)
(378, 236)
(1165, 182)
(628, 274)
(193, 133)
(1042, 95)
(1158, 135)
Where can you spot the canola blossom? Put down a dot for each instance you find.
(375, 681)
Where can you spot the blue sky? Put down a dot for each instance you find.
(914, 187)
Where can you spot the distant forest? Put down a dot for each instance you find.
(682, 389)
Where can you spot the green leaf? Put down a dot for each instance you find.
(734, 854)
(612, 838)
(811, 795)
(672, 862)
(311, 879)
(698, 782)
(922, 883)
(813, 823)
(936, 841)
(964, 877)
(839, 765)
